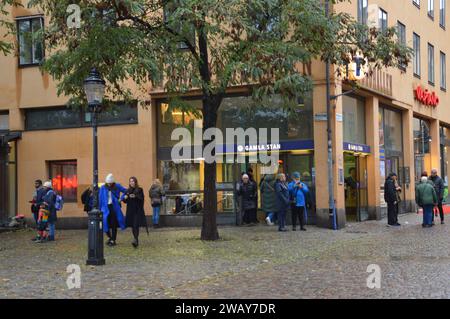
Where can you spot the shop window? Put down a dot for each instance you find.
(63, 175)
(180, 177)
(354, 120)
(31, 47)
(422, 136)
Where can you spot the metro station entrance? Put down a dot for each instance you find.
(355, 177)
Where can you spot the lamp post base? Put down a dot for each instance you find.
(95, 262)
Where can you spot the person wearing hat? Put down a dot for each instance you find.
(248, 194)
(297, 194)
(391, 198)
(109, 203)
(50, 200)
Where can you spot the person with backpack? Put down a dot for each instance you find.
(49, 199)
(109, 203)
(156, 194)
(298, 192)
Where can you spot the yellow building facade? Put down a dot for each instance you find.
(391, 123)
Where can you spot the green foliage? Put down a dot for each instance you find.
(6, 25)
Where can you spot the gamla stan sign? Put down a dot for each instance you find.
(426, 97)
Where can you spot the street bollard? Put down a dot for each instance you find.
(95, 240)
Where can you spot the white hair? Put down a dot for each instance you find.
(245, 176)
(424, 179)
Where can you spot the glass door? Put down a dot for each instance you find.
(356, 197)
(363, 211)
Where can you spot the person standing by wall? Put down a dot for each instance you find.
(156, 194)
(109, 202)
(135, 217)
(426, 198)
(87, 199)
(268, 198)
(439, 187)
(50, 200)
(36, 202)
(282, 192)
(390, 196)
(298, 192)
(247, 192)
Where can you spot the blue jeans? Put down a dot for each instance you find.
(281, 219)
(271, 216)
(156, 211)
(427, 214)
(51, 230)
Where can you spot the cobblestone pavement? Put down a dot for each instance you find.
(249, 262)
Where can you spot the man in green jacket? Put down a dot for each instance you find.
(426, 198)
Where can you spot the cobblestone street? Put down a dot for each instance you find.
(249, 262)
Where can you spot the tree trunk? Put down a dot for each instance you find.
(209, 225)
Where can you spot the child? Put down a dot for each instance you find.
(42, 223)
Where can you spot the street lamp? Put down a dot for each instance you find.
(94, 88)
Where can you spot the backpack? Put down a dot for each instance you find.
(59, 202)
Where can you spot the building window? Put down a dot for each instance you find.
(431, 76)
(363, 13)
(31, 47)
(416, 3)
(4, 122)
(443, 72)
(416, 47)
(442, 15)
(401, 29)
(383, 20)
(63, 175)
(431, 9)
(354, 119)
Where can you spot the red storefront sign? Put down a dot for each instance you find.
(426, 97)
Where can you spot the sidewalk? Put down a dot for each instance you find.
(249, 262)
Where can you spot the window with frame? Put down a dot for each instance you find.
(431, 9)
(416, 48)
(363, 14)
(383, 19)
(442, 15)
(401, 30)
(443, 73)
(431, 76)
(416, 3)
(4, 121)
(63, 175)
(31, 46)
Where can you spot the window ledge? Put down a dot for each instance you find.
(31, 65)
(417, 76)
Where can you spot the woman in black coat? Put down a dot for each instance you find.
(135, 218)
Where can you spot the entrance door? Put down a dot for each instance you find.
(356, 202)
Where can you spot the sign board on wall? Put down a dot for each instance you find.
(426, 97)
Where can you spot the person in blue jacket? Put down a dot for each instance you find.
(109, 203)
(282, 193)
(298, 192)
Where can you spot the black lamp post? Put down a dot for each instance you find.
(94, 87)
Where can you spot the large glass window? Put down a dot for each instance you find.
(354, 120)
(416, 61)
(183, 176)
(31, 48)
(401, 29)
(431, 9)
(363, 14)
(443, 70)
(422, 136)
(63, 175)
(383, 19)
(442, 15)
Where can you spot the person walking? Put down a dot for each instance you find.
(268, 198)
(156, 194)
(390, 196)
(297, 193)
(426, 198)
(109, 203)
(87, 199)
(50, 200)
(135, 215)
(282, 192)
(247, 192)
(439, 187)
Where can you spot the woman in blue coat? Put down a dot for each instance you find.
(109, 202)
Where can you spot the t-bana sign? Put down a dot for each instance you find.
(426, 97)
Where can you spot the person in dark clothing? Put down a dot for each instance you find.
(50, 200)
(135, 215)
(390, 196)
(87, 199)
(439, 186)
(282, 191)
(37, 201)
(248, 193)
